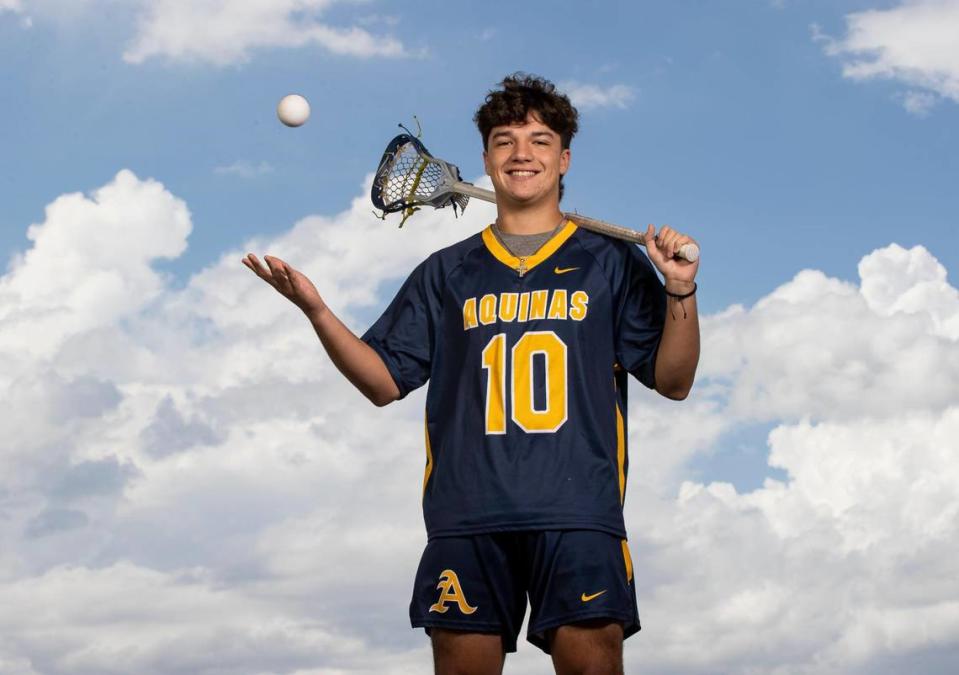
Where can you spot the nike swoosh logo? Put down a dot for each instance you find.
(564, 270)
(587, 598)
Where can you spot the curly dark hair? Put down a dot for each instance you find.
(521, 94)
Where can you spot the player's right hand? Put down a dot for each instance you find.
(292, 284)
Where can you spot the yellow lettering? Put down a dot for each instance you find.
(579, 301)
(507, 306)
(494, 361)
(487, 313)
(557, 306)
(553, 416)
(469, 314)
(450, 591)
(537, 309)
(524, 307)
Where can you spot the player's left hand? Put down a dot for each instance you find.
(663, 254)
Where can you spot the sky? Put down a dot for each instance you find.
(187, 485)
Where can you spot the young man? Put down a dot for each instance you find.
(526, 333)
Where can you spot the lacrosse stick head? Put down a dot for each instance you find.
(409, 177)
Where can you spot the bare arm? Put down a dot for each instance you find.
(358, 362)
(678, 353)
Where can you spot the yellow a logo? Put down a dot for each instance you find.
(451, 591)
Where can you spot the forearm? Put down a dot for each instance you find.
(358, 362)
(678, 352)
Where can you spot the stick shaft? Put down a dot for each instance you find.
(471, 190)
(688, 252)
(603, 227)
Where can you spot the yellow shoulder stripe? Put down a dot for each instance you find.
(429, 457)
(621, 454)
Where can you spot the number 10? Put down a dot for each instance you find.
(527, 417)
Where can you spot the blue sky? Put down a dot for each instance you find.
(738, 127)
(175, 434)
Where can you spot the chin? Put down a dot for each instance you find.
(525, 196)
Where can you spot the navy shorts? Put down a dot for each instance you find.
(480, 583)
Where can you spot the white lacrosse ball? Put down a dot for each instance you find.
(293, 110)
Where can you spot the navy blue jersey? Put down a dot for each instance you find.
(527, 361)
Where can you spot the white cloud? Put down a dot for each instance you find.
(591, 96)
(188, 486)
(16, 7)
(224, 32)
(836, 570)
(919, 103)
(843, 566)
(124, 619)
(919, 289)
(913, 43)
(90, 262)
(192, 451)
(825, 348)
(244, 168)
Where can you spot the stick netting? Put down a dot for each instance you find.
(409, 177)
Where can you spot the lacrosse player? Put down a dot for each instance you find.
(527, 332)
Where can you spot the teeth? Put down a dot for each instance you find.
(522, 173)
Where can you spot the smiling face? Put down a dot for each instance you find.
(525, 161)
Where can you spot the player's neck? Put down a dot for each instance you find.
(529, 220)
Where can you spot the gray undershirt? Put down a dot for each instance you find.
(523, 245)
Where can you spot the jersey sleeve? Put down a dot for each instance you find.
(404, 335)
(640, 316)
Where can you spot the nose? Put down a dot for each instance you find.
(522, 150)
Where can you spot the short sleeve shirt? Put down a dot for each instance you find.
(526, 360)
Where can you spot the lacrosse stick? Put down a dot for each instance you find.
(410, 177)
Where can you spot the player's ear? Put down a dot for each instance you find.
(486, 163)
(564, 158)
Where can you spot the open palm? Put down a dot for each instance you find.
(292, 284)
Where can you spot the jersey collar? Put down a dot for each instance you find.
(549, 248)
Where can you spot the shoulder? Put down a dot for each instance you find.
(430, 276)
(460, 249)
(614, 256)
(446, 260)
